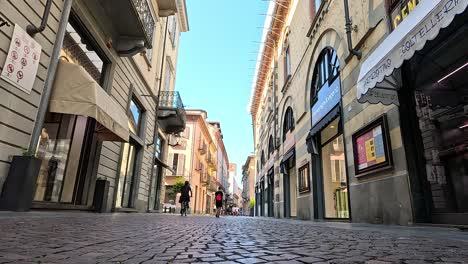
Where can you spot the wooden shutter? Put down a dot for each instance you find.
(170, 158)
(181, 165)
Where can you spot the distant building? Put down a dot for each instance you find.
(248, 183)
(200, 158)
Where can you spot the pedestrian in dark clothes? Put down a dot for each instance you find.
(219, 201)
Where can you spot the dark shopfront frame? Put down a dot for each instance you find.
(288, 163)
(420, 187)
(314, 144)
(270, 194)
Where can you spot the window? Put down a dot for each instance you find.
(175, 161)
(263, 158)
(136, 112)
(271, 147)
(287, 65)
(167, 77)
(288, 124)
(80, 48)
(326, 71)
(304, 185)
(172, 27)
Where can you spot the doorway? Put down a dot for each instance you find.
(434, 118)
(290, 186)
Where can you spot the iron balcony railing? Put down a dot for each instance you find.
(171, 99)
(146, 19)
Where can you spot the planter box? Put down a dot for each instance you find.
(20, 185)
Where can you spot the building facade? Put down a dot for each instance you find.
(248, 185)
(90, 117)
(349, 125)
(196, 158)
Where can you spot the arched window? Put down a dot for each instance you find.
(288, 123)
(327, 69)
(271, 147)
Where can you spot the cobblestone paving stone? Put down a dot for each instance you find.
(153, 238)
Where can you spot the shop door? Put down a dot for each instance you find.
(66, 147)
(333, 176)
(435, 124)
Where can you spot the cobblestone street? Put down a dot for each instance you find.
(43, 237)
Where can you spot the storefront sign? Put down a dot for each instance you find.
(402, 10)
(328, 97)
(371, 147)
(21, 65)
(421, 25)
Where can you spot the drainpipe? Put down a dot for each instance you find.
(47, 91)
(33, 30)
(156, 119)
(348, 27)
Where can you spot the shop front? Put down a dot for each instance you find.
(326, 141)
(81, 114)
(422, 68)
(288, 169)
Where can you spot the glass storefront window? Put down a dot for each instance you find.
(60, 150)
(126, 180)
(335, 187)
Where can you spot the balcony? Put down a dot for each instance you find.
(202, 148)
(211, 161)
(171, 113)
(205, 178)
(167, 7)
(130, 21)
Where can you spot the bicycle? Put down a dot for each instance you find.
(184, 208)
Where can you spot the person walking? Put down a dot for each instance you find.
(219, 201)
(184, 200)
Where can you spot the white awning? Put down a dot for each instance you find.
(75, 92)
(378, 79)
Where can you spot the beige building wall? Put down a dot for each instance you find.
(307, 37)
(19, 109)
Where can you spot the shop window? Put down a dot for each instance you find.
(335, 187)
(127, 176)
(288, 123)
(304, 184)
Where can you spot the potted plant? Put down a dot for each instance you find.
(20, 184)
(252, 205)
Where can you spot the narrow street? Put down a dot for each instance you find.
(51, 237)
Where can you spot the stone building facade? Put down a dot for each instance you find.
(248, 184)
(316, 123)
(105, 131)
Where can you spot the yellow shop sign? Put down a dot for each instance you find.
(402, 10)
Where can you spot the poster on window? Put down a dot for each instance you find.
(371, 147)
(22, 61)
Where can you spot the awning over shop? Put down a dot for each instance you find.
(379, 78)
(75, 92)
(164, 165)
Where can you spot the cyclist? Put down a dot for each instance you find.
(184, 200)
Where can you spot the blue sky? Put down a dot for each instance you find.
(216, 65)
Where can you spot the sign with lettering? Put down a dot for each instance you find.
(422, 24)
(402, 10)
(22, 62)
(328, 97)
